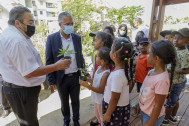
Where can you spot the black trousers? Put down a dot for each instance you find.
(139, 85)
(24, 103)
(69, 87)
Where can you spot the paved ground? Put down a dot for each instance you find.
(49, 113)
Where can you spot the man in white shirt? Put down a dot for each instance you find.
(21, 66)
(138, 26)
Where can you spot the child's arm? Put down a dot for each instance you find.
(159, 102)
(182, 71)
(131, 85)
(102, 84)
(112, 105)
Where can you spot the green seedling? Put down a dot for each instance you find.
(84, 72)
(65, 52)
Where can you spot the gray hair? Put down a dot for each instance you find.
(139, 20)
(63, 14)
(17, 13)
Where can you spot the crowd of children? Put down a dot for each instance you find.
(160, 72)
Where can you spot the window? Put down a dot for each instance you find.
(36, 22)
(41, 3)
(41, 12)
(33, 3)
(49, 5)
(35, 13)
(51, 14)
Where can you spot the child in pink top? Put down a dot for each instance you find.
(155, 87)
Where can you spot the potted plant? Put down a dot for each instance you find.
(65, 52)
(84, 72)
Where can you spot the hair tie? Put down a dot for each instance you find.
(125, 59)
(126, 51)
(131, 58)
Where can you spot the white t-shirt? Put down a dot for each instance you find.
(18, 58)
(117, 82)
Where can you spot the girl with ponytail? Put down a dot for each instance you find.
(116, 107)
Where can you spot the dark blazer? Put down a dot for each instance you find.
(54, 43)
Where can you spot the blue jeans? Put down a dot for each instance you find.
(145, 118)
(174, 94)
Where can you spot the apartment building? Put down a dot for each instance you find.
(42, 10)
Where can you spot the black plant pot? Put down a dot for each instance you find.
(87, 74)
(66, 57)
(84, 78)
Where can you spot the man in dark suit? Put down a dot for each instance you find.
(66, 81)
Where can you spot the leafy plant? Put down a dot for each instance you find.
(67, 53)
(84, 72)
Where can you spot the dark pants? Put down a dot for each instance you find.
(24, 103)
(69, 87)
(3, 100)
(139, 85)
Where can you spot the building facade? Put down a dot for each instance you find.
(42, 10)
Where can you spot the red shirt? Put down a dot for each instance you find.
(141, 68)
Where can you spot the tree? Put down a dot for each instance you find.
(171, 20)
(124, 14)
(82, 10)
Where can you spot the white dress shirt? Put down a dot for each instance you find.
(73, 65)
(18, 58)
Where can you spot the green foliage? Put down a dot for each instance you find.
(40, 38)
(81, 11)
(171, 20)
(84, 10)
(87, 43)
(42, 29)
(84, 71)
(65, 51)
(124, 14)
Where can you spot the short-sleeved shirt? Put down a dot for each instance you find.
(141, 68)
(182, 62)
(18, 58)
(117, 82)
(153, 84)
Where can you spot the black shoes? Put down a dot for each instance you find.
(76, 123)
(67, 124)
(93, 123)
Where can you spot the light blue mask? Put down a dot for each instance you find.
(68, 29)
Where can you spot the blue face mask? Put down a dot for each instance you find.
(68, 29)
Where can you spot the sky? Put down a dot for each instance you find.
(177, 10)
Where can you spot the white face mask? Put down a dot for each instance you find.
(122, 32)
